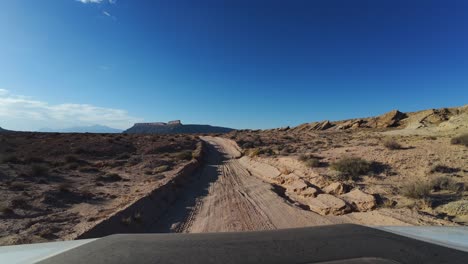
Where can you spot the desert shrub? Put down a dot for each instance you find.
(351, 168)
(184, 155)
(123, 156)
(391, 144)
(126, 220)
(71, 159)
(10, 159)
(446, 183)
(416, 190)
(312, 163)
(161, 168)
(39, 170)
(88, 169)
(460, 140)
(19, 202)
(18, 186)
(33, 159)
(138, 217)
(6, 210)
(247, 145)
(135, 160)
(110, 177)
(253, 152)
(456, 208)
(64, 187)
(443, 169)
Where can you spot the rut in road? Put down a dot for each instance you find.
(224, 196)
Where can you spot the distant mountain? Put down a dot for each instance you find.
(3, 130)
(174, 127)
(84, 129)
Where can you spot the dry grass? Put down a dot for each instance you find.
(416, 190)
(111, 177)
(161, 168)
(446, 183)
(39, 170)
(351, 168)
(460, 140)
(391, 144)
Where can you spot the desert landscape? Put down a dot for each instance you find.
(393, 169)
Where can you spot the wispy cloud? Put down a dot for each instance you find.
(23, 113)
(96, 1)
(107, 14)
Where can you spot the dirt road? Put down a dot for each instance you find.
(226, 197)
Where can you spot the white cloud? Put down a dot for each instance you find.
(96, 1)
(106, 13)
(24, 113)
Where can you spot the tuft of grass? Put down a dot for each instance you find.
(184, 155)
(161, 168)
(253, 152)
(18, 186)
(71, 159)
(64, 188)
(391, 144)
(126, 220)
(443, 169)
(460, 140)
(19, 202)
(456, 208)
(416, 190)
(446, 183)
(310, 161)
(39, 170)
(351, 168)
(6, 210)
(10, 159)
(111, 177)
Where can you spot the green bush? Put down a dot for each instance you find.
(351, 168)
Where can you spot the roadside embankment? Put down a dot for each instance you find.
(139, 216)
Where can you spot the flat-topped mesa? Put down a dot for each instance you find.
(170, 123)
(174, 127)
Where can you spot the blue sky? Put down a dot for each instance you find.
(242, 64)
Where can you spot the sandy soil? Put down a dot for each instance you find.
(230, 196)
(56, 186)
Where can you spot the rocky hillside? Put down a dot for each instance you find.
(174, 127)
(444, 118)
(3, 130)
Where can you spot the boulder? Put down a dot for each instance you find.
(309, 192)
(326, 204)
(336, 188)
(296, 185)
(360, 200)
(323, 125)
(390, 119)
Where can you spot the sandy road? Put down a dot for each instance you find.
(225, 197)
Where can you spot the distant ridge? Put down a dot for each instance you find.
(83, 129)
(174, 127)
